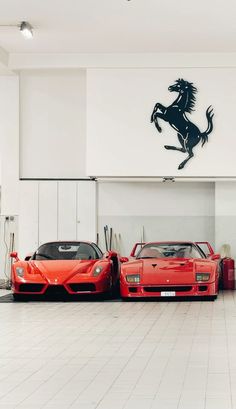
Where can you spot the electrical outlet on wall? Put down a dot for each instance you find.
(10, 218)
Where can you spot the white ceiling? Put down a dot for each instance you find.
(120, 26)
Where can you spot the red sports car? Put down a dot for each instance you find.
(63, 268)
(169, 269)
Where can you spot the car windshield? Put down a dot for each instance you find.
(67, 251)
(170, 250)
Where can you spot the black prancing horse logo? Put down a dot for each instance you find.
(188, 133)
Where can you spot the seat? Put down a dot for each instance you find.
(82, 256)
(151, 253)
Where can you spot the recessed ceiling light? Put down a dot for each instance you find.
(26, 29)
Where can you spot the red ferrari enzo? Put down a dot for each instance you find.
(65, 268)
(169, 269)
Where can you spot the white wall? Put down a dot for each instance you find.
(53, 111)
(52, 124)
(9, 162)
(168, 211)
(9, 143)
(121, 141)
(8, 242)
(56, 210)
(225, 215)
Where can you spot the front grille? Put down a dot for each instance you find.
(202, 288)
(31, 288)
(133, 289)
(183, 289)
(80, 287)
(56, 290)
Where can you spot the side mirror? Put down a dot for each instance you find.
(124, 259)
(215, 256)
(14, 255)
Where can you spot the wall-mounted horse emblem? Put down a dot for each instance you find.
(188, 133)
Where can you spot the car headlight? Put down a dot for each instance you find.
(133, 278)
(97, 271)
(202, 276)
(20, 271)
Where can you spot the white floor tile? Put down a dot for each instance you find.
(102, 355)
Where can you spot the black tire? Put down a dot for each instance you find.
(211, 298)
(126, 299)
(19, 297)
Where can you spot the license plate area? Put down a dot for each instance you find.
(167, 293)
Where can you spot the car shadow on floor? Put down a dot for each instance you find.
(98, 298)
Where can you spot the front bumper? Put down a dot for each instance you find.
(184, 290)
(88, 286)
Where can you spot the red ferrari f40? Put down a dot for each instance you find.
(171, 269)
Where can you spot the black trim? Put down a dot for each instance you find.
(181, 289)
(80, 287)
(31, 287)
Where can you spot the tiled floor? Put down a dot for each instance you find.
(117, 355)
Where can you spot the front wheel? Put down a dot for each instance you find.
(19, 297)
(211, 298)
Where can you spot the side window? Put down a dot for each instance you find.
(97, 250)
(203, 248)
(136, 249)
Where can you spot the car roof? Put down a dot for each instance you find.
(66, 241)
(170, 242)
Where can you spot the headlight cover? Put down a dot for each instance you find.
(97, 271)
(133, 278)
(202, 276)
(20, 271)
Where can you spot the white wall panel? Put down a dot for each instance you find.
(225, 215)
(156, 199)
(121, 140)
(48, 211)
(86, 211)
(56, 210)
(28, 217)
(52, 124)
(9, 143)
(67, 210)
(164, 211)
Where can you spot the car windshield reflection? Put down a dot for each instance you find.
(170, 250)
(67, 251)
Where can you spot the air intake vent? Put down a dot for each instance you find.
(83, 287)
(181, 289)
(31, 288)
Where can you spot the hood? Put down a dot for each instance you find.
(59, 271)
(168, 271)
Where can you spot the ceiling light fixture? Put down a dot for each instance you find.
(168, 179)
(26, 29)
